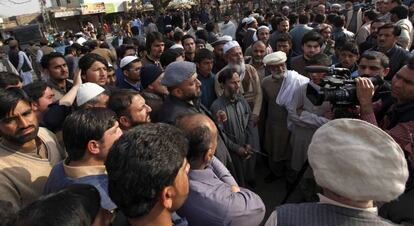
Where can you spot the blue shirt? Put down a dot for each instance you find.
(208, 94)
(58, 180)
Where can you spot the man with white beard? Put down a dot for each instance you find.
(250, 82)
(274, 117)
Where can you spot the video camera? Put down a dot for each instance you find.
(338, 88)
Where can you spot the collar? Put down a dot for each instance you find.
(200, 76)
(196, 103)
(152, 60)
(83, 171)
(325, 200)
(136, 85)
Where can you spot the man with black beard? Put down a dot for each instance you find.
(250, 82)
(27, 152)
(239, 126)
(180, 78)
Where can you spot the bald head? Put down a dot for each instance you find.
(201, 133)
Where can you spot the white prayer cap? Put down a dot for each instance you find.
(222, 40)
(88, 91)
(285, 7)
(358, 160)
(126, 60)
(245, 20)
(263, 27)
(275, 58)
(230, 45)
(335, 5)
(177, 46)
(250, 20)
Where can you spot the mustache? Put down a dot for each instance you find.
(28, 127)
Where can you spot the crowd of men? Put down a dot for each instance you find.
(167, 128)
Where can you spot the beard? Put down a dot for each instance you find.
(278, 75)
(257, 60)
(23, 138)
(240, 68)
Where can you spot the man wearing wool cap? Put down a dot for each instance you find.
(248, 76)
(180, 78)
(356, 164)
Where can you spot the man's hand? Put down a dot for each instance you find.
(329, 115)
(243, 152)
(365, 91)
(221, 116)
(235, 188)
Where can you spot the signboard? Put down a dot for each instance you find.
(66, 13)
(110, 8)
(92, 8)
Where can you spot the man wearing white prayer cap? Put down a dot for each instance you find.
(262, 34)
(250, 88)
(355, 163)
(251, 23)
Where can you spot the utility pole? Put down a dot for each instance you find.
(45, 15)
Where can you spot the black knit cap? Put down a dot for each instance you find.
(149, 73)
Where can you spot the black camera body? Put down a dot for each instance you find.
(338, 88)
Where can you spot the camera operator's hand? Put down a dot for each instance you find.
(329, 115)
(365, 92)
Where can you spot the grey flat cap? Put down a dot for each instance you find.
(177, 72)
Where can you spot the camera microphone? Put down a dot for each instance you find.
(323, 69)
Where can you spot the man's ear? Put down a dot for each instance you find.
(34, 105)
(386, 71)
(177, 92)
(167, 195)
(124, 121)
(93, 147)
(208, 155)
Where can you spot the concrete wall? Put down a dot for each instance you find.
(10, 8)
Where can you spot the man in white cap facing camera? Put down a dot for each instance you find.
(251, 23)
(356, 164)
(248, 76)
(131, 67)
(261, 34)
(274, 116)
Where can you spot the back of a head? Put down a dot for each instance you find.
(320, 59)
(169, 56)
(338, 21)
(76, 205)
(8, 79)
(358, 160)
(144, 161)
(85, 125)
(304, 19)
(400, 11)
(196, 128)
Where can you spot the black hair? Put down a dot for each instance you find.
(226, 74)
(87, 60)
(85, 49)
(410, 63)
(396, 29)
(169, 56)
(303, 19)
(400, 11)
(330, 18)
(9, 98)
(375, 55)
(187, 36)
(283, 38)
(75, 205)
(35, 90)
(69, 49)
(8, 213)
(312, 36)
(203, 54)
(104, 45)
(201, 34)
(9, 79)
(151, 38)
(199, 137)
(121, 50)
(45, 61)
(399, 2)
(85, 125)
(144, 161)
(319, 18)
(210, 26)
(77, 46)
(320, 59)
(120, 100)
(350, 47)
(178, 35)
(338, 21)
(371, 14)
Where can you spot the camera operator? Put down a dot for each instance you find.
(307, 118)
(373, 63)
(398, 123)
